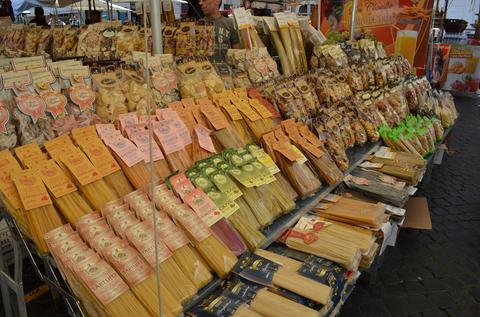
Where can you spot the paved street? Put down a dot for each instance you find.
(436, 272)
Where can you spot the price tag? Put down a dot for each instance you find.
(33, 106)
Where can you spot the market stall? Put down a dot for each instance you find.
(158, 184)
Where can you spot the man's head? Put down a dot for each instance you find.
(211, 8)
(39, 12)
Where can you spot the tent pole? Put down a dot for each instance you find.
(156, 25)
(319, 13)
(352, 20)
(89, 8)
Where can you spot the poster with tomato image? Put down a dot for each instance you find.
(463, 69)
(402, 25)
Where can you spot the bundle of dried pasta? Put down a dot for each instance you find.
(283, 51)
(88, 178)
(379, 186)
(9, 194)
(68, 249)
(224, 132)
(275, 273)
(214, 305)
(293, 164)
(141, 236)
(173, 136)
(126, 40)
(65, 194)
(141, 279)
(106, 288)
(40, 215)
(203, 146)
(130, 159)
(217, 255)
(184, 254)
(312, 147)
(353, 211)
(90, 143)
(309, 236)
(266, 302)
(235, 118)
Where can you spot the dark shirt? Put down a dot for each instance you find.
(225, 36)
(39, 21)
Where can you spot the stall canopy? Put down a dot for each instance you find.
(21, 5)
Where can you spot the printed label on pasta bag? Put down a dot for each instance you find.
(127, 119)
(55, 103)
(83, 96)
(81, 168)
(204, 139)
(170, 234)
(260, 108)
(128, 263)
(181, 184)
(141, 140)
(223, 305)
(25, 63)
(256, 269)
(105, 129)
(54, 178)
(102, 280)
(203, 206)
(101, 158)
(17, 80)
(4, 119)
(226, 186)
(103, 240)
(182, 131)
(215, 116)
(123, 222)
(168, 137)
(31, 190)
(7, 160)
(191, 222)
(28, 151)
(58, 233)
(227, 206)
(33, 106)
(126, 150)
(141, 236)
(97, 228)
(7, 186)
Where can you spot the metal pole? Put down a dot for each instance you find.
(319, 14)
(156, 23)
(89, 7)
(352, 20)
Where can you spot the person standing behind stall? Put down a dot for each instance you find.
(225, 34)
(39, 18)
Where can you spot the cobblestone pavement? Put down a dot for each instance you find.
(436, 272)
(432, 273)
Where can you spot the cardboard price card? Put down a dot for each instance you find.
(31, 189)
(83, 96)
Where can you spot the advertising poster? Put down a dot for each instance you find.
(463, 69)
(439, 67)
(402, 25)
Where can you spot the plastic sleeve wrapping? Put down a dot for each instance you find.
(228, 235)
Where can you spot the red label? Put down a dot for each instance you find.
(181, 184)
(168, 232)
(141, 236)
(56, 103)
(128, 262)
(101, 279)
(83, 96)
(203, 206)
(33, 106)
(190, 221)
